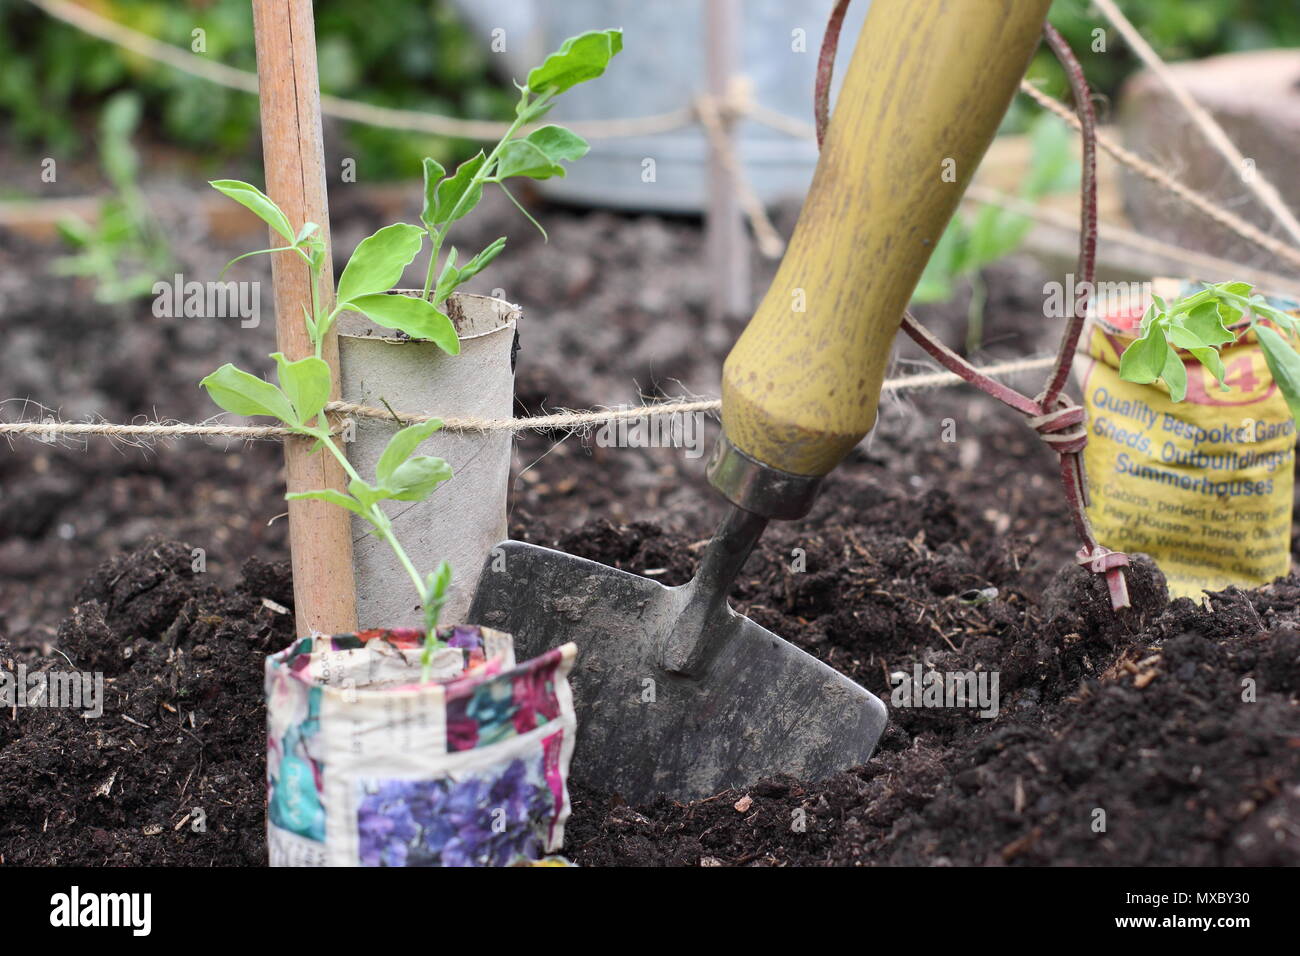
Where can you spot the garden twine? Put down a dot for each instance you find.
(562, 421)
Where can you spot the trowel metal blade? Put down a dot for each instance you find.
(762, 707)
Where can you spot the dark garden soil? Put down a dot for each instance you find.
(1141, 717)
(173, 773)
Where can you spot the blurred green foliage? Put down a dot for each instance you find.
(412, 54)
(968, 245)
(124, 252)
(416, 54)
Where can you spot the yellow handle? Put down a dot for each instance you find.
(928, 85)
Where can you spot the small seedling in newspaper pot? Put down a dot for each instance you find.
(1191, 393)
(388, 747)
(423, 745)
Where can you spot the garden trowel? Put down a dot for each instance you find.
(676, 693)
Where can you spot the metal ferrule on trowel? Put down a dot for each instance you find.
(757, 494)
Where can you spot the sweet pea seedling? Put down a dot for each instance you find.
(538, 155)
(1201, 324)
(304, 386)
(375, 267)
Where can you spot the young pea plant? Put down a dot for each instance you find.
(538, 155)
(1201, 324)
(375, 267)
(305, 385)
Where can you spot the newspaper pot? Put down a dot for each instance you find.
(367, 766)
(467, 516)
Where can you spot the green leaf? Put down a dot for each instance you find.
(333, 497)
(401, 445)
(252, 198)
(243, 394)
(433, 174)
(1284, 364)
(117, 123)
(1206, 323)
(1229, 313)
(307, 384)
(312, 331)
(75, 232)
(1144, 360)
(480, 261)
(434, 596)
(416, 317)
(315, 246)
(416, 479)
(558, 143)
(1184, 338)
(457, 195)
(531, 112)
(378, 261)
(578, 59)
(1235, 288)
(522, 158)
(995, 234)
(121, 115)
(1175, 374)
(1148, 317)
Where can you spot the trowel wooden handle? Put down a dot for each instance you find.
(928, 85)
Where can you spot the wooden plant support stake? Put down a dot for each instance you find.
(320, 537)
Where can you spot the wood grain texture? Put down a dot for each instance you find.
(929, 82)
(319, 533)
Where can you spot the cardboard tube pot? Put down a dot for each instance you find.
(467, 515)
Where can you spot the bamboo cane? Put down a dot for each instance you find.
(320, 536)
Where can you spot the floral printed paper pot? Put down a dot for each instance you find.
(366, 766)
